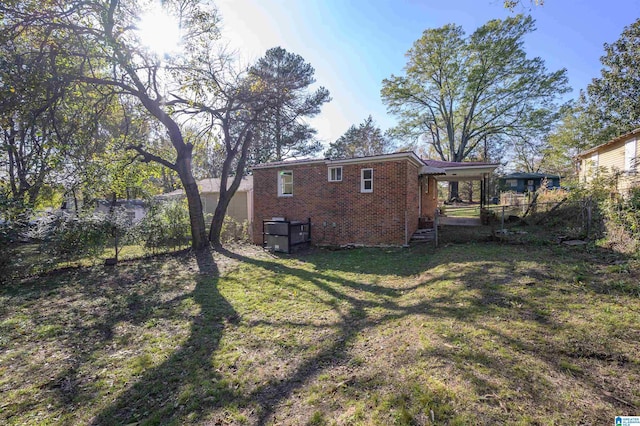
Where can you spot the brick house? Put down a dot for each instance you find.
(369, 201)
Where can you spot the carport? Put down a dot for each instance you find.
(466, 172)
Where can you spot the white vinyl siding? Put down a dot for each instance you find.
(366, 180)
(285, 183)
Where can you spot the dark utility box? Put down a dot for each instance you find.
(283, 235)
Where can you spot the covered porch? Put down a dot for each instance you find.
(466, 172)
(461, 213)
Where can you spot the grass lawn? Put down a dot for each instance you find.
(479, 333)
(462, 211)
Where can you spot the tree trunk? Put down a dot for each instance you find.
(453, 190)
(227, 194)
(75, 202)
(183, 166)
(218, 220)
(196, 215)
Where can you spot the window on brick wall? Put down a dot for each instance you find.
(335, 174)
(366, 180)
(285, 183)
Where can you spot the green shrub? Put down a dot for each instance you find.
(615, 219)
(70, 237)
(623, 227)
(234, 231)
(166, 225)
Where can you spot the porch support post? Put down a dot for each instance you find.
(482, 192)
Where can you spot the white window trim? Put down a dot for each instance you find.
(630, 155)
(363, 180)
(280, 183)
(330, 169)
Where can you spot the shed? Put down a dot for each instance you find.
(241, 204)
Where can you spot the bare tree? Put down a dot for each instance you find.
(103, 43)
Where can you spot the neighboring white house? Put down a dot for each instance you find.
(241, 204)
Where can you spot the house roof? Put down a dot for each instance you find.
(458, 164)
(122, 202)
(213, 184)
(611, 142)
(425, 169)
(289, 163)
(209, 185)
(519, 175)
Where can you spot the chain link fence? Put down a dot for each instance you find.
(577, 218)
(561, 218)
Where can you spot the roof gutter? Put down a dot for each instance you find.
(611, 142)
(408, 155)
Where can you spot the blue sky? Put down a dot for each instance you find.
(354, 45)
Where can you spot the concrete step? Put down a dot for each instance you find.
(423, 236)
(459, 221)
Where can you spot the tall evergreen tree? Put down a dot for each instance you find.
(282, 132)
(364, 140)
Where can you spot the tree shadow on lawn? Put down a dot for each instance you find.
(356, 320)
(537, 350)
(83, 308)
(70, 311)
(396, 261)
(186, 385)
(480, 297)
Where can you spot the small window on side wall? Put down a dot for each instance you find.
(335, 174)
(285, 183)
(366, 180)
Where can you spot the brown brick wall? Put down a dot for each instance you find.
(430, 198)
(413, 203)
(340, 214)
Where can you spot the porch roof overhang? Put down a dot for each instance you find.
(431, 171)
(462, 171)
